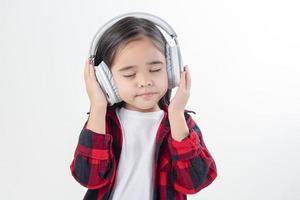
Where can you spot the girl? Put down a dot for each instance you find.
(144, 147)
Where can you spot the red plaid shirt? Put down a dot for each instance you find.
(180, 168)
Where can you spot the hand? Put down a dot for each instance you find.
(182, 95)
(95, 93)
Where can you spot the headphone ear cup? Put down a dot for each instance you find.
(107, 83)
(173, 66)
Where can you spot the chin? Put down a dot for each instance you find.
(143, 107)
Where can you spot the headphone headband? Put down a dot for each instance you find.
(157, 20)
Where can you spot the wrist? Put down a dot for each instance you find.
(175, 112)
(97, 109)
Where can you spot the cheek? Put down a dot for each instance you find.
(118, 83)
(163, 80)
(121, 85)
(124, 87)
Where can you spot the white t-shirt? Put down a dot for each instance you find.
(134, 173)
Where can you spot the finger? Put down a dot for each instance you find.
(185, 77)
(182, 80)
(92, 72)
(188, 79)
(86, 70)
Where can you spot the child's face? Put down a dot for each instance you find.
(144, 75)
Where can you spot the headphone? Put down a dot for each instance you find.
(173, 56)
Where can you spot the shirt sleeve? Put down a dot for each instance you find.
(193, 167)
(93, 165)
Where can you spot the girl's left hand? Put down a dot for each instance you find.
(182, 95)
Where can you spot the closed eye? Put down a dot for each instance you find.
(156, 70)
(127, 76)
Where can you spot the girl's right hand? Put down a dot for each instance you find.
(95, 93)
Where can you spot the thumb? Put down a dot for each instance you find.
(92, 72)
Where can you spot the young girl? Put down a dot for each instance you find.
(144, 147)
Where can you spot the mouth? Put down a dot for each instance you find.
(147, 95)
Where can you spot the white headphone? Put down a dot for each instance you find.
(173, 56)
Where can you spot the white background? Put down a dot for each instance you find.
(244, 61)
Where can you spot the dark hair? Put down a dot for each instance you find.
(124, 31)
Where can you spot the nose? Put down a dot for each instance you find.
(144, 81)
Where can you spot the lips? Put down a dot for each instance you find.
(147, 93)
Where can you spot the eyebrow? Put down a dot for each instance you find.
(133, 66)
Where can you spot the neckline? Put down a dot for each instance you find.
(141, 114)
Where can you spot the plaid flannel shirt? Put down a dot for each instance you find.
(180, 167)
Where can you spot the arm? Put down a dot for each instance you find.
(93, 165)
(193, 168)
(96, 121)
